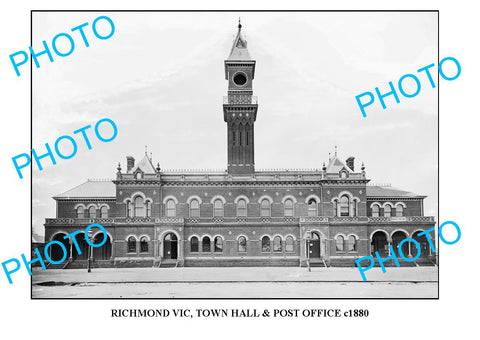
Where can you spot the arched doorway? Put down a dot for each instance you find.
(55, 251)
(170, 247)
(398, 237)
(380, 243)
(83, 245)
(314, 246)
(424, 246)
(104, 252)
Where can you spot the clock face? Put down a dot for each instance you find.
(240, 79)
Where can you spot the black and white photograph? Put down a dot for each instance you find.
(242, 170)
(239, 162)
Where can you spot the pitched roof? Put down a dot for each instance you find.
(145, 165)
(239, 49)
(335, 165)
(380, 191)
(91, 189)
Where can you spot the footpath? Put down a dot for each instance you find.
(230, 274)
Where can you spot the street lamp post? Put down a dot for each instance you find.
(90, 251)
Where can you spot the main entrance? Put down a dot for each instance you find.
(170, 247)
(314, 246)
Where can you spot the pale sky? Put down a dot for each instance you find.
(161, 79)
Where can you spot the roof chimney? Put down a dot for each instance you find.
(130, 163)
(351, 162)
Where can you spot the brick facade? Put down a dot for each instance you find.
(155, 217)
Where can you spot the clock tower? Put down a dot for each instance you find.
(240, 107)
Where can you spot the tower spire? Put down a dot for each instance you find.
(239, 51)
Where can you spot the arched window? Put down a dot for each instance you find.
(144, 244)
(218, 244)
(277, 244)
(218, 208)
(92, 212)
(343, 175)
(194, 244)
(138, 175)
(265, 244)
(344, 206)
(171, 210)
(139, 207)
(288, 205)
(148, 205)
(289, 244)
(387, 210)
(80, 212)
(129, 208)
(194, 208)
(132, 244)
(375, 210)
(339, 242)
(352, 243)
(242, 208)
(312, 207)
(242, 244)
(399, 210)
(104, 212)
(206, 244)
(265, 208)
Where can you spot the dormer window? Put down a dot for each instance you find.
(343, 174)
(138, 175)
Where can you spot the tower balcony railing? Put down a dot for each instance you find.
(240, 99)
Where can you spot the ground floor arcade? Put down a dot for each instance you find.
(242, 245)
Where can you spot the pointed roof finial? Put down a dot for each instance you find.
(239, 23)
(335, 150)
(145, 150)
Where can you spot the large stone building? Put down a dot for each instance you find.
(239, 216)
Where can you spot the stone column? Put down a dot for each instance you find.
(71, 251)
